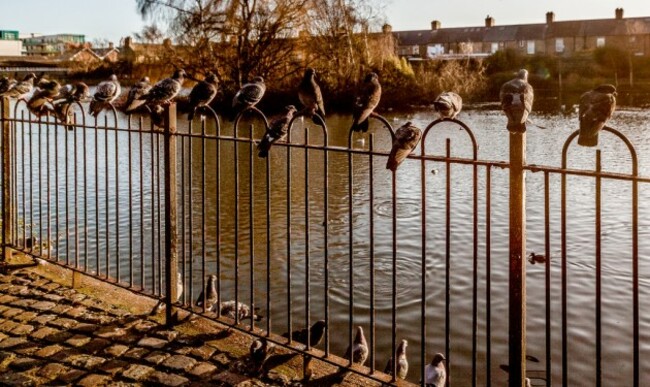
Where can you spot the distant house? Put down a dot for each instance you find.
(51, 45)
(10, 44)
(144, 52)
(108, 54)
(552, 37)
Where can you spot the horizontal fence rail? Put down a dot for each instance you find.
(319, 233)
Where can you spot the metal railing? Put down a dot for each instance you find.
(292, 237)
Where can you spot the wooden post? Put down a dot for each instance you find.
(171, 256)
(517, 310)
(8, 213)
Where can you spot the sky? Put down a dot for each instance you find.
(114, 19)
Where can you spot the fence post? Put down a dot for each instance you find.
(517, 308)
(8, 213)
(171, 256)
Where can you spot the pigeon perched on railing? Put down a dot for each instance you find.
(596, 107)
(105, 94)
(202, 94)
(276, 131)
(359, 348)
(6, 84)
(22, 88)
(366, 102)
(311, 97)
(448, 104)
(402, 366)
(210, 293)
(517, 101)
(44, 93)
(69, 94)
(435, 374)
(315, 334)
(138, 90)
(406, 139)
(248, 96)
(164, 90)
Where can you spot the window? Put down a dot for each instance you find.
(415, 50)
(522, 43)
(531, 47)
(600, 41)
(494, 48)
(432, 51)
(559, 45)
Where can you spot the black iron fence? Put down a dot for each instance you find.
(319, 230)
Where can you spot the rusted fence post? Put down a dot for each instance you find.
(171, 256)
(8, 213)
(517, 329)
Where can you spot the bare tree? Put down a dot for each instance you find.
(150, 34)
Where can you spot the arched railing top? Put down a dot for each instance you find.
(466, 128)
(619, 135)
(384, 123)
(253, 110)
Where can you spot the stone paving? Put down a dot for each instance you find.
(55, 335)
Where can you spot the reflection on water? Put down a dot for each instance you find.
(235, 228)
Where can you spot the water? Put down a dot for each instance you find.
(215, 247)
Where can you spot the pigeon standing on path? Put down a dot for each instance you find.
(366, 103)
(448, 104)
(517, 101)
(202, 94)
(359, 348)
(210, 293)
(311, 97)
(596, 107)
(105, 94)
(248, 96)
(315, 334)
(406, 139)
(22, 88)
(260, 350)
(138, 90)
(44, 93)
(435, 374)
(402, 367)
(277, 130)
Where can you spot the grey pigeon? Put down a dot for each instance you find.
(105, 94)
(359, 348)
(402, 367)
(210, 293)
(22, 88)
(260, 350)
(596, 107)
(315, 334)
(249, 95)
(276, 131)
(435, 374)
(6, 84)
(164, 90)
(45, 92)
(158, 115)
(138, 90)
(234, 309)
(202, 94)
(69, 94)
(366, 102)
(448, 104)
(517, 101)
(406, 139)
(311, 97)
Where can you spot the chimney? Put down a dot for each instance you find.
(387, 28)
(550, 17)
(110, 45)
(619, 13)
(128, 42)
(167, 43)
(435, 25)
(489, 21)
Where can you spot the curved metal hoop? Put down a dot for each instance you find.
(253, 109)
(298, 115)
(83, 114)
(621, 136)
(466, 128)
(113, 109)
(384, 123)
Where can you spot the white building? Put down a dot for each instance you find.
(10, 44)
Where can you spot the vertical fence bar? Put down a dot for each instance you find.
(171, 259)
(371, 209)
(251, 224)
(517, 281)
(547, 276)
(598, 272)
(447, 254)
(488, 276)
(8, 211)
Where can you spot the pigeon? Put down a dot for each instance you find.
(202, 94)
(260, 350)
(105, 94)
(536, 258)
(248, 96)
(276, 131)
(435, 374)
(406, 139)
(402, 364)
(164, 90)
(210, 293)
(448, 104)
(158, 115)
(315, 332)
(234, 309)
(366, 103)
(45, 92)
(359, 348)
(517, 101)
(596, 107)
(138, 90)
(68, 95)
(22, 88)
(310, 96)
(6, 84)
